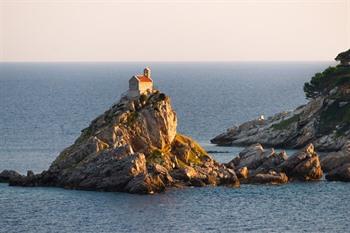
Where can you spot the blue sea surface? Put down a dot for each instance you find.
(44, 106)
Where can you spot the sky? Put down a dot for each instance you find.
(176, 30)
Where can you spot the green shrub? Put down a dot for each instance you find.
(284, 124)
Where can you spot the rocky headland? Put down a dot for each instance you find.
(324, 121)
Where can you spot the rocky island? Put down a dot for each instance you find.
(134, 147)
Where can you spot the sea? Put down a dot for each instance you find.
(44, 107)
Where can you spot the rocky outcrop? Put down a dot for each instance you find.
(303, 165)
(6, 175)
(323, 121)
(255, 159)
(133, 147)
(257, 165)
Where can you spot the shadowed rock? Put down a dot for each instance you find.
(337, 164)
(6, 175)
(341, 173)
(336, 159)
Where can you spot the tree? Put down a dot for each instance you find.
(320, 83)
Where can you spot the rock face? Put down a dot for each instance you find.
(337, 164)
(133, 147)
(335, 159)
(341, 173)
(323, 121)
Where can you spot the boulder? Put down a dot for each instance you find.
(272, 162)
(303, 165)
(228, 177)
(251, 157)
(184, 174)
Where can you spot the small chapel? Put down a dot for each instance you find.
(140, 84)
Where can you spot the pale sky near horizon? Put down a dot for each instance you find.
(177, 30)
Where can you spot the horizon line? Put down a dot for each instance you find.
(171, 61)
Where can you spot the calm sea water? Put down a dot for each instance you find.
(43, 107)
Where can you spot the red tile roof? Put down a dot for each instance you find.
(143, 78)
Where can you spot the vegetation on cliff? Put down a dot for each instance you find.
(321, 83)
(284, 124)
(334, 85)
